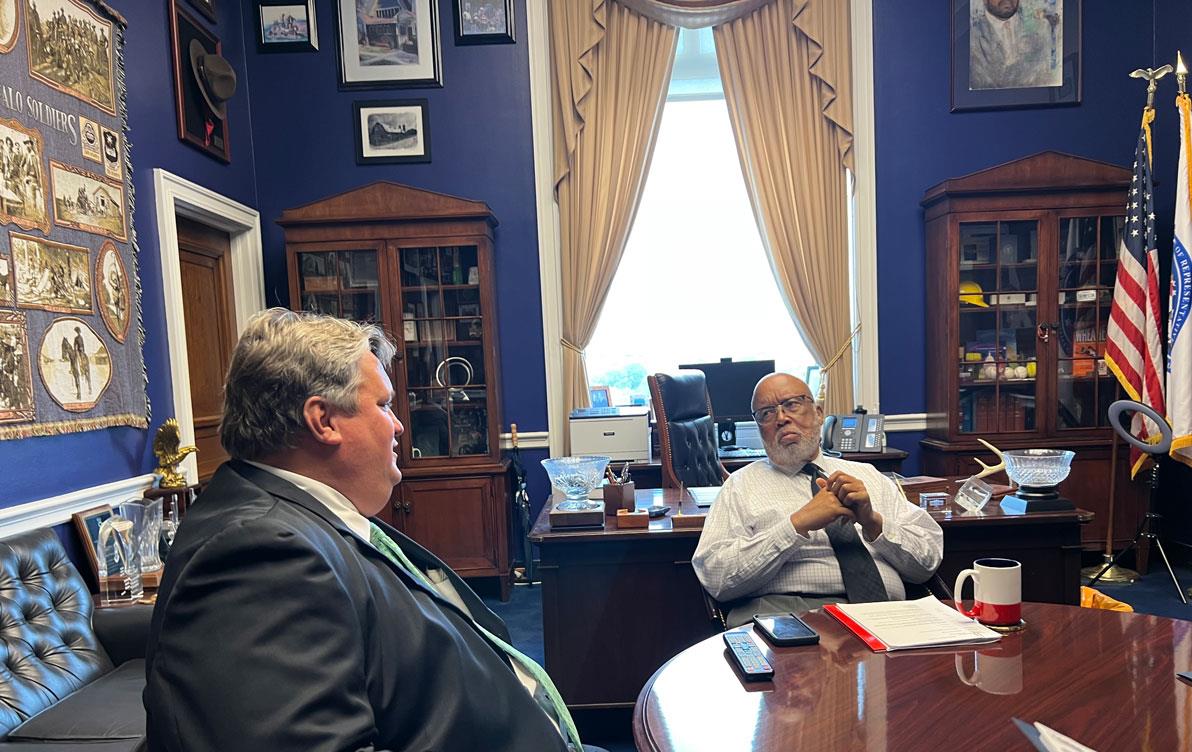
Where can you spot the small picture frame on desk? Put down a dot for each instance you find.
(599, 396)
(87, 525)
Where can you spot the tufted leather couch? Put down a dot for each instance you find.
(684, 410)
(66, 683)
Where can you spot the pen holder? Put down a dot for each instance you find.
(619, 496)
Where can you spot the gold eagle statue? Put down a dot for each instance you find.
(167, 447)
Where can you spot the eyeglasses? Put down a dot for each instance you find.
(792, 406)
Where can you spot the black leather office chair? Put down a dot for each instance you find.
(687, 428)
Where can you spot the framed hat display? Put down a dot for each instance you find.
(203, 83)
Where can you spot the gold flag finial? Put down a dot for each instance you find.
(1152, 76)
(1181, 71)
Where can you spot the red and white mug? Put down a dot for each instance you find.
(997, 592)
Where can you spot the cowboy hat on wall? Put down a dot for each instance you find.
(203, 83)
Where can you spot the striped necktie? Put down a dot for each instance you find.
(383, 543)
(862, 582)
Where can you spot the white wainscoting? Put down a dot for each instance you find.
(58, 509)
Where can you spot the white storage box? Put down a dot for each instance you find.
(619, 433)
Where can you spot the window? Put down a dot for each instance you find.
(694, 284)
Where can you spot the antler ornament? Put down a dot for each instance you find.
(990, 469)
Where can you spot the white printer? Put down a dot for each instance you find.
(619, 433)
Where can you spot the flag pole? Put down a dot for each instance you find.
(1112, 572)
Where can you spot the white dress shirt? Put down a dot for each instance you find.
(750, 548)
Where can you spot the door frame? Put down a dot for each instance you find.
(177, 197)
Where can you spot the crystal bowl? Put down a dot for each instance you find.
(576, 477)
(1038, 468)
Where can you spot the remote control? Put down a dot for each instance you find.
(747, 656)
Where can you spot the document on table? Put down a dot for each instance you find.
(901, 625)
(1047, 739)
(704, 496)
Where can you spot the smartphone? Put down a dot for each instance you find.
(784, 629)
(656, 512)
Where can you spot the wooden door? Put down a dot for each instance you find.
(209, 313)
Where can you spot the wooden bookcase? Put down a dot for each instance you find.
(420, 264)
(1021, 261)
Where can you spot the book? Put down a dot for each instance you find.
(905, 625)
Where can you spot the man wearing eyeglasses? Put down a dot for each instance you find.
(798, 530)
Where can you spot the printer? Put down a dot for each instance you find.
(619, 433)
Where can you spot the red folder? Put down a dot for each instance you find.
(867, 637)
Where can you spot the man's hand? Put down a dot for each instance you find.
(823, 509)
(852, 494)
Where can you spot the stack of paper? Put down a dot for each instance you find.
(902, 625)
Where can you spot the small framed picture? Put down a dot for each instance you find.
(87, 524)
(392, 131)
(286, 26)
(483, 22)
(387, 43)
(599, 396)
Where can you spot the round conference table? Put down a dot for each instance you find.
(1106, 679)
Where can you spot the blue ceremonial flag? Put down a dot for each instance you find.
(1179, 334)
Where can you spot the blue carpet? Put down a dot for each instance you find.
(1154, 593)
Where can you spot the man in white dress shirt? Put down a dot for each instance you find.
(769, 545)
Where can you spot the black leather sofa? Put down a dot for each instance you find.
(71, 676)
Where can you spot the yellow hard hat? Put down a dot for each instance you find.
(971, 293)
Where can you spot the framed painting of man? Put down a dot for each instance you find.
(70, 49)
(16, 370)
(1015, 53)
(51, 276)
(22, 177)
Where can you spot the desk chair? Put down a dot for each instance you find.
(688, 430)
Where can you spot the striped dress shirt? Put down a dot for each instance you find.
(749, 547)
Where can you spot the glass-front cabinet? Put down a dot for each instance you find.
(419, 264)
(1020, 268)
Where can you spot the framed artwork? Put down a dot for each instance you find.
(51, 276)
(74, 364)
(70, 49)
(207, 8)
(1015, 53)
(111, 281)
(87, 526)
(9, 24)
(286, 26)
(85, 201)
(599, 396)
(391, 131)
(388, 43)
(199, 122)
(23, 194)
(16, 369)
(483, 21)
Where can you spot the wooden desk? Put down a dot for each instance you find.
(649, 474)
(1104, 678)
(617, 604)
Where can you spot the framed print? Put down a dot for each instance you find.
(111, 282)
(74, 363)
(1015, 53)
(51, 276)
(84, 201)
(599, 396)
(70, 49)
(16, 369)
(9, 24)
(200, 101)
(388, 43)
(207, 8)
(389, 132)
(286, 26)
(23, 194)
(483, 21)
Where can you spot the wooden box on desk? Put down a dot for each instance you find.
(562, 519)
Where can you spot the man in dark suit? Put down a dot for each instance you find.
(289, 620)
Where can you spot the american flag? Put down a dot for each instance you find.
(1134, 351)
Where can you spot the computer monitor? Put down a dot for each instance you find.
(730, 385)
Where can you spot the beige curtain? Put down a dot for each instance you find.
(694, 14)
(788, 82)
(610, 72)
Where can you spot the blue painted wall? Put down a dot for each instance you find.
(41, 467)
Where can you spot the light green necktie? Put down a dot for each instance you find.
(383, 543)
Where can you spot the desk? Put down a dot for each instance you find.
(649, 474)
(1104, 678)
(617, 604)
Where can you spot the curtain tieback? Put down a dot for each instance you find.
(569, 345)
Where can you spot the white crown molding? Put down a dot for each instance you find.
(550, 281)
(527, 440)
(906, 422)
(865, 353)
(58, 509)
(175, 197)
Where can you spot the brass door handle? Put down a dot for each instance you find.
(409, 508)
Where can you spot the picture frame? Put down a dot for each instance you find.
(92, 77)
(483, 22)
(87, 526)
(287, 26)
(207, 8)
(198, 125)
(600, 396)
(400, 50)
(1044, 69)
(391, 131)
(16, 368)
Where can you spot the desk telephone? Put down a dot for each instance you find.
(856, 432)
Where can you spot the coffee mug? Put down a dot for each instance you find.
(997, 592)
(996, 670)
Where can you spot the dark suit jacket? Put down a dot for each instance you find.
(277, 629)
